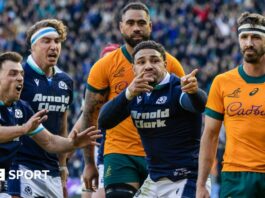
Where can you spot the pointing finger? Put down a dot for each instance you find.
(194, 72)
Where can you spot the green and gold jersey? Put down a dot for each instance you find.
(239, 100)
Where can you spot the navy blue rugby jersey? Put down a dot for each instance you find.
(169, 133)
(54, 94)
(16, 114)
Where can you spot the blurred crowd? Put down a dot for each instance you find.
(199, 33)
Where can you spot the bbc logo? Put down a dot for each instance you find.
(2, 174)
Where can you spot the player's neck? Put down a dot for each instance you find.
(4, 100)
(129, 48)
(49, 71)
(255, 70)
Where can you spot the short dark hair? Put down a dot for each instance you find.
(10, 56)
(149, 45)
(251, 18)
(135, 6)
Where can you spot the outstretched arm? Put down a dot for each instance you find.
(114, 112)
(194, 102)
(8, 133)
(193, 98)
(57, 144)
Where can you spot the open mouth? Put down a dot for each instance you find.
(52, 56)
(19, 87)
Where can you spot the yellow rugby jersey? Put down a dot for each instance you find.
(115, 72)
(239, 100)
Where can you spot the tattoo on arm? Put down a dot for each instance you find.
(93, 103)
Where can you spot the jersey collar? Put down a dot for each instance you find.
(37, 69)
(163, 82)
(250, 79)
(126, 53)
(2, 104)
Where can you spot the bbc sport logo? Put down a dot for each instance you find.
(27, 174)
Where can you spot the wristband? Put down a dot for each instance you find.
(87, 190)
(128, 94)
(62, 168)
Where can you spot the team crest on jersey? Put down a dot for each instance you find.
(18, 113)
(161, 100)
(139, 99)
(62, 85)
(28, 190)
(37, 81)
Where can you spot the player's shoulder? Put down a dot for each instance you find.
(23, 105)
(112, 57)
(174, 79)
(62, 74)
(228, 75)
(170, 57)
(27, 68)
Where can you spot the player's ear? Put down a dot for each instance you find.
(32, 48)
(165, 63)
(150, 26)
(120, 26)
(133, 66)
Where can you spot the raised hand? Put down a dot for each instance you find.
(35, 121)
(86, 137)
(140, 84)
(189, 82)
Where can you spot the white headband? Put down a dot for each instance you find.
(43, 32)
(253, 29)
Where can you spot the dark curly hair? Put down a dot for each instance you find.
(251, 18)
(149, 45)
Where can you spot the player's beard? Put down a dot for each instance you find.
(255, 57)
(132, 42)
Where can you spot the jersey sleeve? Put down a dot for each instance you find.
(114, 111)
(194, 102)
(174, 66)
(215, 103)
(39, 129)
(71, 91)
(28, 112)
(97, 80)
